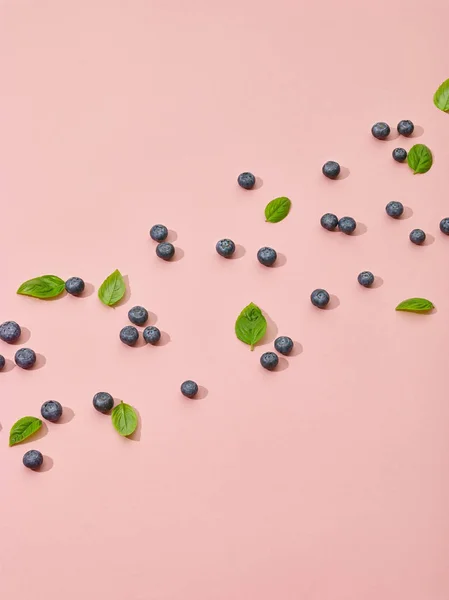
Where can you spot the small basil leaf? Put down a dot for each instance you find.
(419, 158)
(251, 325)
(415, 305)
(277, 209)
(112, 289)
(441, 96)
(46, 286)
(23, 429)
(124, 419)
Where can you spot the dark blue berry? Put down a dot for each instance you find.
(225, 248)
(103, 402)
(417, 236)
(347, 225)
(331, 169)
(366, 278)
(189, 389)
(74, 286)
(151, 335)
(129, 335)
(2, 362)
(246, 180)
(269, 360)
(10, 332)
(406, 128)
(329, 221)
(319, 298)
(380, 130)
(33, 459)
(158, 233)
(283, 344)
(25, 358)
(444, 226)
(138, 315)
(394, 209)
(51, 410)
(165, 250)
(267, 256)
(400, 155)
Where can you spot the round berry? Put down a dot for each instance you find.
(319, 298)
(10, 332)
(25, 358)
(246, 180)
(267, 256)
(380, 130)
(329, 221)
(151, 335)
(225, 248)
(269, 360)
(189, 389)
(417, 236)
(2, 362)
(331, 169)
(406, 128)
(138, 315)
(400, 155)
(165, 250)
(51, 410)
(283, 344)
(366, 278)
(347, 225)
(33, 459)
(444, 226)
(394, 209)
(129, 335)
(158, 233)
(103, 402)
(74, 286)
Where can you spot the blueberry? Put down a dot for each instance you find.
(51, 410)
(165, 250)
(406, 128)
(320, 298)
(10, 332)
(151, 335)
(329, 221)
(399, 154)
(366, 278)
(417, 236)
(103, 402)
(269, 360)
(33, 459)
(158, 233)
(225, 248)
(394, 209)
(189, 389)
(129, 335)
(444, 226)
(2, 362)
(25, 358)
(347, 225)
(283, 344)
(138, 315)
(380, 130)
(74, 286)
(267, 256)
(331, 169)
(246, 180)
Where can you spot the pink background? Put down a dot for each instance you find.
(327, 480)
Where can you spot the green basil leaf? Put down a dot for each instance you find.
(23, 429)
(112, 289)
(277, 209)
(46, 286)
(419, 158)
(441, 96)
(124, 419)
(251, 325)
(415, 305)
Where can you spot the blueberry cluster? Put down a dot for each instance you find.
(346, 224)
(129, 335)
(283, 345)
(164, 249)
(10, 332)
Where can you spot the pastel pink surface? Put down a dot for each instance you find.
(327, 480)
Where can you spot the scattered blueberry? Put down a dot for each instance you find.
(331, 169)
(74, 286)
(165, 250)
(225, 248)
(380, 130)
(269, 360)
(2, 362)
(25, 358)
(51, 410)
(320, 298)
(129, 335)
(417, 236)
(10, 332)
(366, 278)
(394, 209)
(399, 154)
(329, 221)
(138, 315)
(283, 344)
(267, 256)
(347, 225)
(246, 180)
(406, 128)
(444, 226)
(189, 389)
(158, 233)
(103, 402)
(33, 459)
(151, 335)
